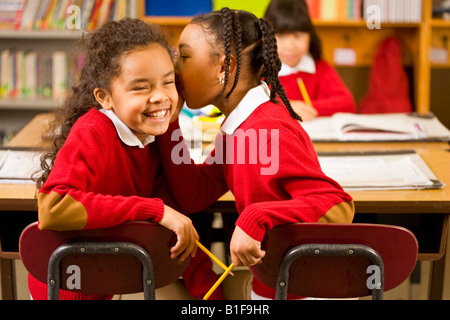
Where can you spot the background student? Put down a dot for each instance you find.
(300, 51)
(105, 167)
(223, 57)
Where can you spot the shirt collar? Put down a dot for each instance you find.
(254, 98)
(125, 134)
(306, 64)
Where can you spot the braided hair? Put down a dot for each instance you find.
(253, 41)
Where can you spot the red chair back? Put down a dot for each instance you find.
(103, 274)
(337, 276)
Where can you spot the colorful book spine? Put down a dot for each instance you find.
(394, 11)
(53, 14)
(335, 10)
(32, 74)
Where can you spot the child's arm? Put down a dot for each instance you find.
(306, 194)
(195, 187)
(71, 198)
(185, 231)
(244, 249)
(331, 95)
(305, 111)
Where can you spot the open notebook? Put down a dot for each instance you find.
(384, 170)
(377, 127)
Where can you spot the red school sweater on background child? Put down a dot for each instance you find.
(326, 89)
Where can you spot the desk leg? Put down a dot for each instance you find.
(7, 276)
(437, 279)
(438, 267)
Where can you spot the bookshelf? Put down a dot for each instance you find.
(43, 31)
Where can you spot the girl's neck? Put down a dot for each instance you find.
(238, 94)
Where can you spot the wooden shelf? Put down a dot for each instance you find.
(44, 35)
(168, 21)
(25, 104)
(440, 23)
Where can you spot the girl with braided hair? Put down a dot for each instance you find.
(229, 59)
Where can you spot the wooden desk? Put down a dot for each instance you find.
(425, 212)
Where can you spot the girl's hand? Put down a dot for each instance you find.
(244, 249)
(303, 110)
(185, 231)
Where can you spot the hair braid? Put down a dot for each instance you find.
(227, 35)
(238, 50)
(272, 66)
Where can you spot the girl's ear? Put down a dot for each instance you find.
(223, 66)
(103, 98)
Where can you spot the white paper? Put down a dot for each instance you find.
(408, 127)
(374, 172)
(19, 165)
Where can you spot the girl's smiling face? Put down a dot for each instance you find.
(144, 95)
(197, 69)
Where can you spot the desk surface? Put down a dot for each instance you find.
(435, 154)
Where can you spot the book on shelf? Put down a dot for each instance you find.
(32, 74)
(395, 11)
(390, 11)
(335, 10)
(377, 127)
(54, 14)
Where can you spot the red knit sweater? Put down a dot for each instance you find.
(97, 182)
(326, 89)
(275, 177)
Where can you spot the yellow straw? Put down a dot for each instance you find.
(209, 253)
(304, 92)
(218, 282)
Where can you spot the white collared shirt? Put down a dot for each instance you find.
(125, 134)
(306, 64)
(252, 100)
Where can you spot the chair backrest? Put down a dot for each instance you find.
(100, 273)
(337, 276)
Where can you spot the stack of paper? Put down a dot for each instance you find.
(18, 166)
(379, 171)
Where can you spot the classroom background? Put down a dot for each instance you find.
(39, 62)
(38, 36)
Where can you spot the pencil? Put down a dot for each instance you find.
(209, 253)
(304, 92)
(218, 282)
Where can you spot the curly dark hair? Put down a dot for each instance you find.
(102, 52)
(251, 39)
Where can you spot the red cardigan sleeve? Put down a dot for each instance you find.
(327, 91)
(308, 194)
(67, 200)
(194, 186)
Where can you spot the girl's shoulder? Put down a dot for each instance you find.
(92, 125)
(93, 120)
(323, 66)
(271, 115)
